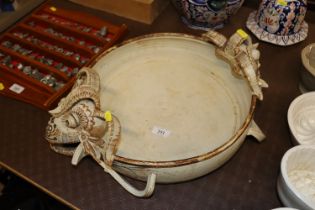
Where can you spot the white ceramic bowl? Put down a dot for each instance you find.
(296, 182)
(301, 119)
(307, 73)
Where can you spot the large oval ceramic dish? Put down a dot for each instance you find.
(178, 105)
(179, 110)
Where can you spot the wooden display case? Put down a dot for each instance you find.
(41, 54)
(145, 11)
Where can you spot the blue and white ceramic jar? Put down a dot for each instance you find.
(280, 22)
(281, 17)
(205, 14)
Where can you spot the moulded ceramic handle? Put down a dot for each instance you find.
(146, 192)
(78, 154)
(255, 131)
(242, 55)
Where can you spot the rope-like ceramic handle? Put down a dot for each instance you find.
(146, 192)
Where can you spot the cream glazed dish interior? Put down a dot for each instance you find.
(301, 119)
(162, 108)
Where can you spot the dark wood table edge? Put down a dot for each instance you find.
(38, 186)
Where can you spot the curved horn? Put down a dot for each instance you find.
(75, 96)
(87, 86)
(88, 77)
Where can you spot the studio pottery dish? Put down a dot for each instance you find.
(180, 106)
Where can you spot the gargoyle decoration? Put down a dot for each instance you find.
(242, 55)
(79, 128)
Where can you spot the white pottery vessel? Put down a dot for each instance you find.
(183, 112)
(307, 82)
(296, 183)
(301, 119)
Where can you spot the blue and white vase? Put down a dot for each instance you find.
(281, 17)
(205, 14)
(279, 22)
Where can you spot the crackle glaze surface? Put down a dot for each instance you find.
(152, 84)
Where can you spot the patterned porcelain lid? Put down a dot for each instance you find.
(280, 22)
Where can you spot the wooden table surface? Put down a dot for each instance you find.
(247, 181)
